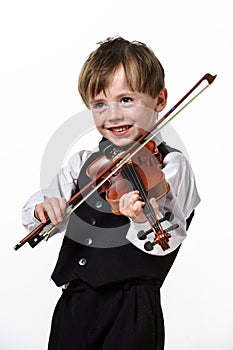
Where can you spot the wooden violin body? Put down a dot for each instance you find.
(142, 171)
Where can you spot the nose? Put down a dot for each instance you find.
(114, 112)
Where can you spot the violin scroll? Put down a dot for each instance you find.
(161, 237)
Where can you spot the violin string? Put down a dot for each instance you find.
(131, 174)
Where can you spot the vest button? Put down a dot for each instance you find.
(82, 262)
(98, 204)
(93, 221)
(88, 241)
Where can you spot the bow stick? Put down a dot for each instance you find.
(36, 235)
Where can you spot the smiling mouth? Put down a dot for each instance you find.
(120, 129)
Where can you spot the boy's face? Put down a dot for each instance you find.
(122, 115)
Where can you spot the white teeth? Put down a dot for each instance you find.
(120, 129)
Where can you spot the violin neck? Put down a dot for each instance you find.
(130, 173)
(151, 216)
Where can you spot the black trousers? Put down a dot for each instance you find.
(124, 316)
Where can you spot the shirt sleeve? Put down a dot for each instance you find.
(63, 185)
(181, 200)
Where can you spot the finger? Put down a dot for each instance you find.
(40, 213)
(138, 207)
(49, 209)
(134, 210)
(130, 204)
(55, 208)
(154, 204)
(131, 198)
(63, 205)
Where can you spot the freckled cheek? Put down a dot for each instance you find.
(101, 130)
(98, 123)
(147, 122)
(141, 125)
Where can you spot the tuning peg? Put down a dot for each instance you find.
(148, 246)
(142, 234)
(167, 217)
(171, 228)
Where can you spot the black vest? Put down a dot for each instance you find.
(95, 249)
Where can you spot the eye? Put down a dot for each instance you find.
(126, 100)
(100, 106)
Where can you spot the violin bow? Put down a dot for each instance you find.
(37, 235)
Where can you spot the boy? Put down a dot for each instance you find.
(111, 294)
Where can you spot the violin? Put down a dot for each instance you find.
(143, 173)
(138, 168)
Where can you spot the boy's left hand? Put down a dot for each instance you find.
(130, 205)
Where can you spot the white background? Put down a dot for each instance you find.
(43, 46)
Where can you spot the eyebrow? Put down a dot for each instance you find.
(123, 94)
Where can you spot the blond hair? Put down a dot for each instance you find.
(143, 71)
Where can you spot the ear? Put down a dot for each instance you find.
(161, 100)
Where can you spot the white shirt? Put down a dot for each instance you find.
(182, 198)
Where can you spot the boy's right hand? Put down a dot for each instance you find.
(52, 208)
